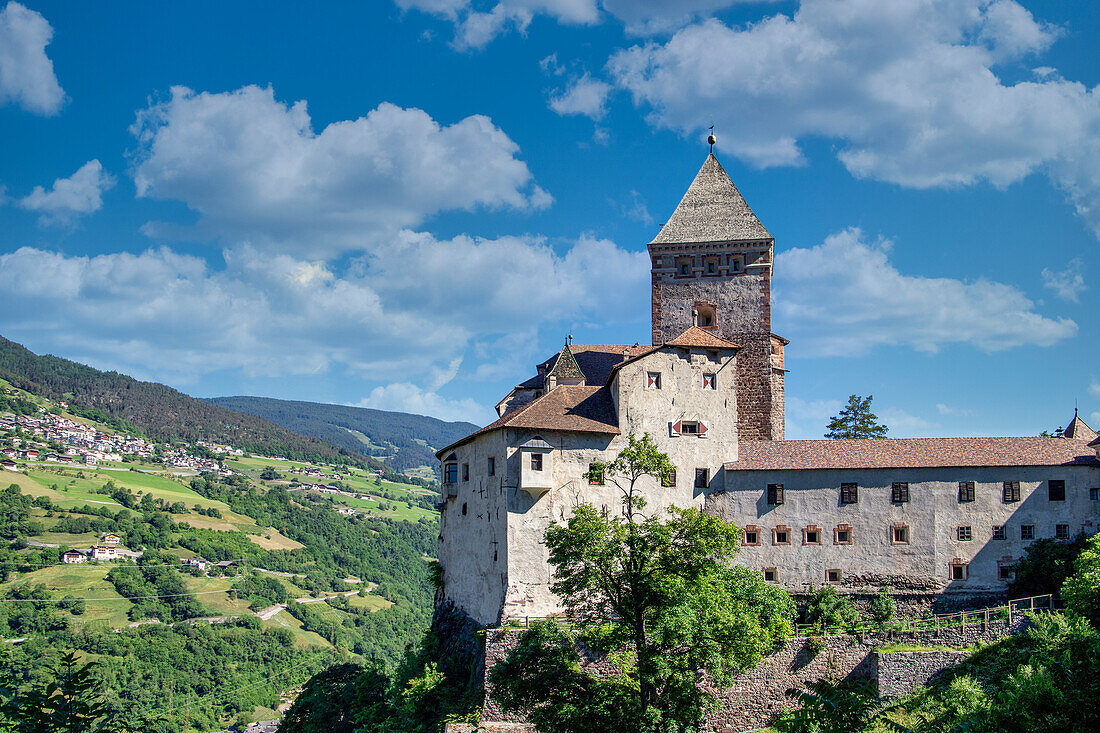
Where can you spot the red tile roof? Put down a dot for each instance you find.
(700, 338)
(910, 453)
(571, 408)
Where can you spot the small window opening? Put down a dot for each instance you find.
(963, 534)
(1004, 572)
(966, 491)
(1061, 531)
(813, 537)
(702, 478)
(770, 575)
(536, 461)
(710, 381)
(1056, 490)
(959, 571)
(1094, 494)
(1027, 531)
(832, 575)
(653, 380)
(843, 536)
(465, 471)
(669, 480)
(1010, 492)
(450, 473)
(463, 508)
(998, 531)
(492, 466)
(704, 315)
(781, 537)
(752, 537)
(689, 428)
(900, 535)
(899, 493)
(775, 494)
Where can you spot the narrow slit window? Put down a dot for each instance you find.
(465, 471)
(702, 478)
(492, 467)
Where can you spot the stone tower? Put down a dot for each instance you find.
(712, 268)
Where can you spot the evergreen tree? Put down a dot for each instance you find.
(856, 421)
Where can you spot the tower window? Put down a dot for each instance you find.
(736, 265)
(899, 493)
(1027, 531)
(653, 380)
(899, 534)
(775, 494)
(683, 266)
(849, 493)
(463, 508)
(704, 315)
(450, 473)
(710, 267)
(492, 466)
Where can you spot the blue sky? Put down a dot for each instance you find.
(407, 204)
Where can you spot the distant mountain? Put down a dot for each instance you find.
(158, 411)
(405, 442)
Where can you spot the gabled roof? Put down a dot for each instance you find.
(700, 338)
(567, 408)
(565, 367)
(595, 360)
(1078, 429)
(712, 210)
(781, 455)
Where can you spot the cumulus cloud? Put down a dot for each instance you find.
(583, 96)
(408, 313)
(1094, 389)
(845, 297)
(26, 72)
(476, 27)
(406, 397)
(252, 167)
(1067, 284)
(949, 410)
(807, 419)
(646, 17)
(70, 198)
(909, 89)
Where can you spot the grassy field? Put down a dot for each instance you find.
(80, 581)
(272, 539)
(374, 603)
(302, 638)
(221, 604)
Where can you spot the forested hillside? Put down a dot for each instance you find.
(161, 412)
(402, 440)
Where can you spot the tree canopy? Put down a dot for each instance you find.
(856, 421)
(658, 593)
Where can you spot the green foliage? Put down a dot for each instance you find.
(856, 421)
(826, 707)
(338, 700)
(679, 608)
(269, 474)
(1081, 590)
(69, 700)
(883, 608)
(1044, 567)
(827, 609)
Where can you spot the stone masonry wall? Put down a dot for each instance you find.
(760, 693)
(899, 673)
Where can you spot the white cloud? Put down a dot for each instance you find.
(645, 17)
(807, 420)
(72, 197)
(170, 317)
(252, 167)
(475, 28)
(1094, 389)
(956, 411)
(901, 424)
(1094, 418)
(584, 96)
(1067, 284)
(406, 397)
(845, 297)
(26, 72)
(909, 89)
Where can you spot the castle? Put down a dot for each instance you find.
(941, 519)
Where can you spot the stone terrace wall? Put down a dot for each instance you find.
(899, 673)
(757, 695)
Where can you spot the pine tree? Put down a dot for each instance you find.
(856, 421)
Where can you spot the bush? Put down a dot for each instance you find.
(883, 608)
(827, 609)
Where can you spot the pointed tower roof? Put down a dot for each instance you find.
(712, 210)
(565, 367)
(1078, 429)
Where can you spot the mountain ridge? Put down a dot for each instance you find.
(402, 440)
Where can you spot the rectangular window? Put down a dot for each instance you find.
(1094, 494)
(811, 537)
(702, 478)
(492, 466)
(669, 481)
(1011, 492)
(775, 494)
(998, 531)
(595, 475)
(1027, 531)
(832, 575)
(465, 471)
(900, 534)
(450, 473)
(963, 534)
(1061, 531)
(966, 491)
(899, 492)
(684, 266)
(958, 571)
(689, 428)
(770, 575)
(536, 461)
(781, 537)
(1056, 490)
(843, 535)
(1004, 572)
(653, 380)
(710, 381)
(752, 537)
(849, 493)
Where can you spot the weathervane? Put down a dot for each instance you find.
(712, 139)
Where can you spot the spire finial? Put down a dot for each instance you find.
(712, 139)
